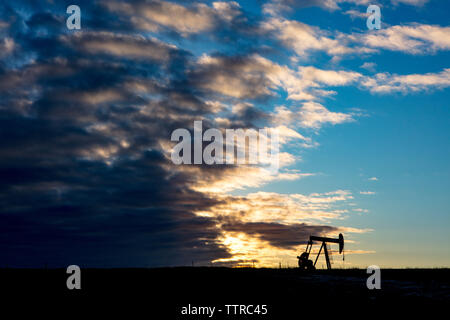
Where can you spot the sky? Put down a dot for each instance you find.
(87, 115)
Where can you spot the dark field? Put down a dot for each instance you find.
(161, 293)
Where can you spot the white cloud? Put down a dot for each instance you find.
(386, 83)
(310, 115)
(119, 45)
(314, 115)
(231, 179)
(413, 39)
(370, 66)
(194, 18)
(373, 179)
(303, 38)
(7, 46)
(227, 10)
(356, 14)
(255, 75)
(4, 24)
(327, 77)
(367, 192)
(281, 208)
(276, 7)
(286, 134)
(411, 2)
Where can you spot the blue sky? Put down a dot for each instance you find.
(403, 142)
(402, 139)
(87, 116)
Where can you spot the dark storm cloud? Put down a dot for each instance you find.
(84, 179)
(223, 21)
(83, 114)
(279, 235)
(234, 76)
(62, 210)
(185, 17)
(45, 20)
(121, 46)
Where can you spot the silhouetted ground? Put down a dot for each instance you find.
(161, 293)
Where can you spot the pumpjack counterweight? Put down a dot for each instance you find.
(305, 263)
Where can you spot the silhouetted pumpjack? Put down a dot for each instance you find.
(303, 259)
